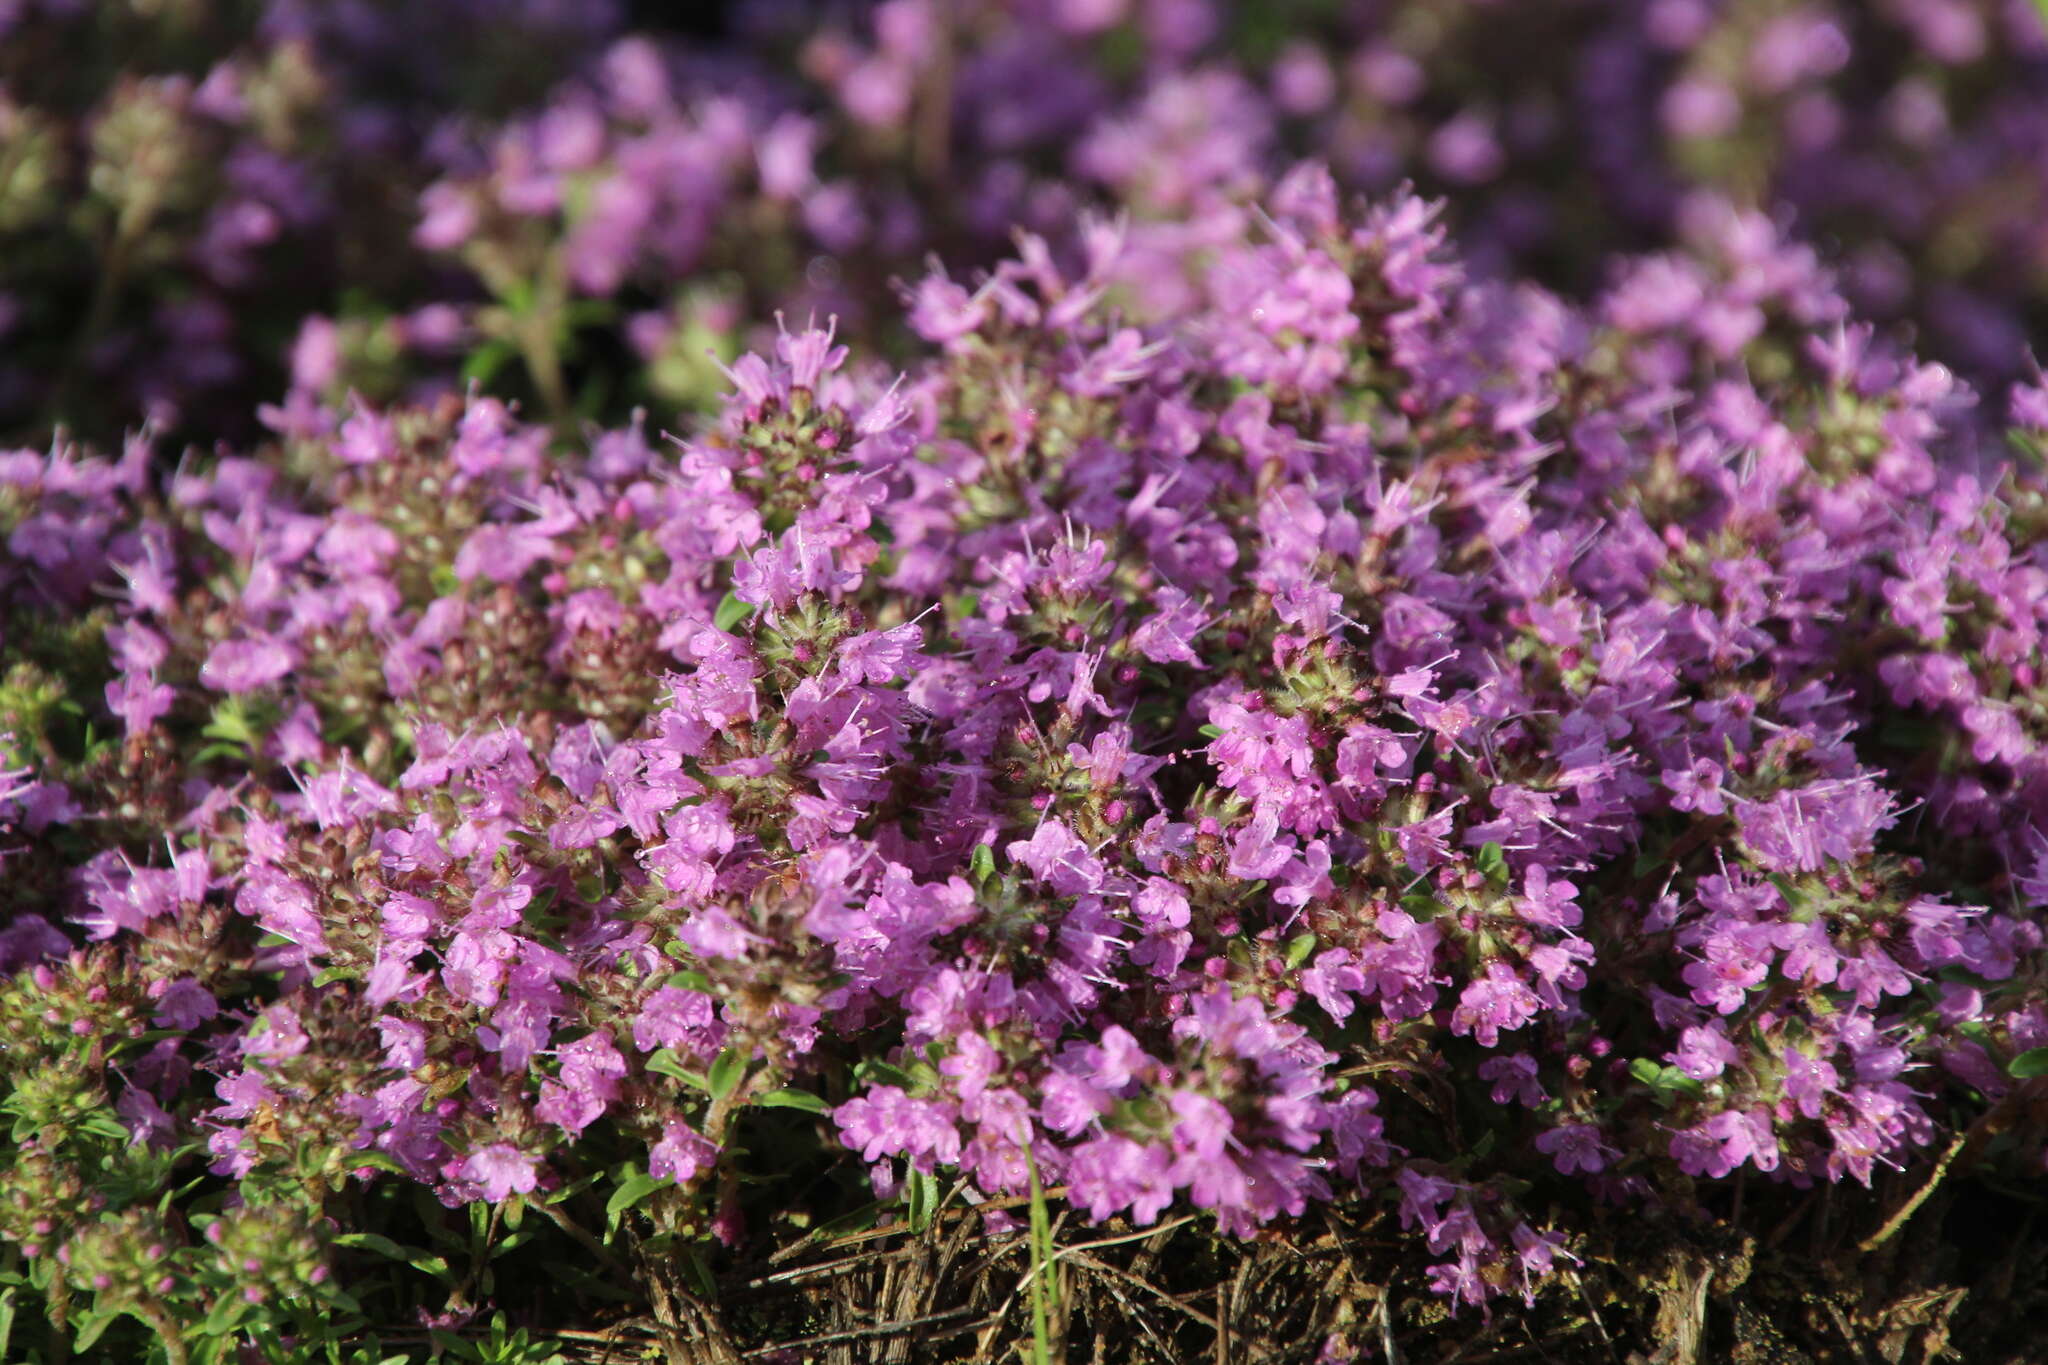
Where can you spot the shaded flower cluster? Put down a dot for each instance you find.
(389, 198)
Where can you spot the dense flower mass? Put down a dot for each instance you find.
(1145, 759)
(901, 610)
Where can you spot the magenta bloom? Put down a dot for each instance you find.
(244, 665)
(500, 1171)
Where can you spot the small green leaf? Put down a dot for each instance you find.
(874, 1071)
(666, 1063)
(921, 1193)
(2029, 1064)
(726, 1073)
(449, 1343)
(376, 1161)
(1794, 897)
(485, 361)
(628, 1194)
(102, 1124)
(1210, 732)
(1299, 947)
(231, 722)
(690, 981)
(1493, 861)
(982, 864)
(794, 1099)
(419, 1258)
(1667, 1081)
(700, 1270)
(371, 1241)
(731, 612)
(93, 1327)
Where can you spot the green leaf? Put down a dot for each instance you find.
(231, 722)
(94, 1326)
(731, 612)
(726, 1073)
(700, 1270)
(666, 1063)
(372, 1241)
(982, 864)
(689, 981)
(1794, 897)
(1299, 947)
(874, 1071)
(448, 1342)
(483, 364)
(921, 1193)
(570, 1189)
(1667, 1081)
(102, 1124)
(1209, 732)
(518, 294)
(794, 1099)
(419, 1258)
(1044, 1293)
(2029, 1064)
(377, 1161)
(1493, 861)
(629, 1193)
(2020, 440)
(590, 312)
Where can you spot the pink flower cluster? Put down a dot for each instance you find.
(1358, 728)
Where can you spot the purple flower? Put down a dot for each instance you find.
(246, 664)
(184, 1004)
(1109, 1175)
(681, 1155)
(1548, 902)
(1800, 830)
(1495, 1002)
(591, 1069)
(1514, 1079)
(679, 1018)
(1697, 788)
(1704, 1052)
(502, 553)
(500, 1170)
(885, 1120)
(1576, 1147)
(879, 656)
